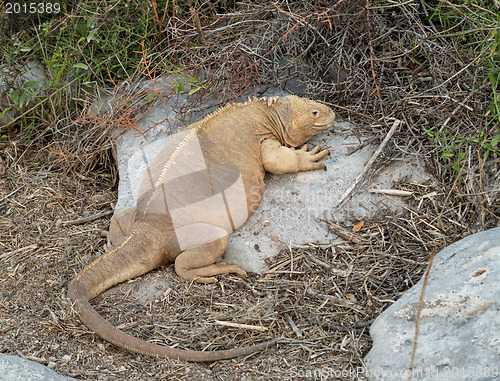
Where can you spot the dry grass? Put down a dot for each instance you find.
(318, 300)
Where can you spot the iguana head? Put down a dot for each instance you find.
(307, 118)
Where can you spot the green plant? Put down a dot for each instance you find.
(191, 85)
(473, 27)
(453, 149)
(96, 43)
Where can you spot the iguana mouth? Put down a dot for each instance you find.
(322, 126)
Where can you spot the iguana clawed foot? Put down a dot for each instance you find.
(214, 269)
(198, 263)
(279, 159)
(220, 268)
(308, 159)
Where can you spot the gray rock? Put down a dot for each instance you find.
(14, 78)
(13, 368)
(292, 204)
(459, 336)
(31, 71)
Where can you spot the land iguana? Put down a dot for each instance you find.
(205, 183)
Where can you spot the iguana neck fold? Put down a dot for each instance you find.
(269, 116)
(279, 117)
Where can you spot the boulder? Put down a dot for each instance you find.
(13, 368)
(459, 329)
(293, 204)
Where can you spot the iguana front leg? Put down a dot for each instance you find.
(279, 159)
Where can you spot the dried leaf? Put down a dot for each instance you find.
(345, 234)
(351, 297)
(356, 228)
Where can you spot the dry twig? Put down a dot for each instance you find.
(83, 220)
(419, 312)
(366, 168)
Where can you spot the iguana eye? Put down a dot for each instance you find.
(315, 113)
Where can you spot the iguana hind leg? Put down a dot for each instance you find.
(198, 263)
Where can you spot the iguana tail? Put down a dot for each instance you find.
(117, 266)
